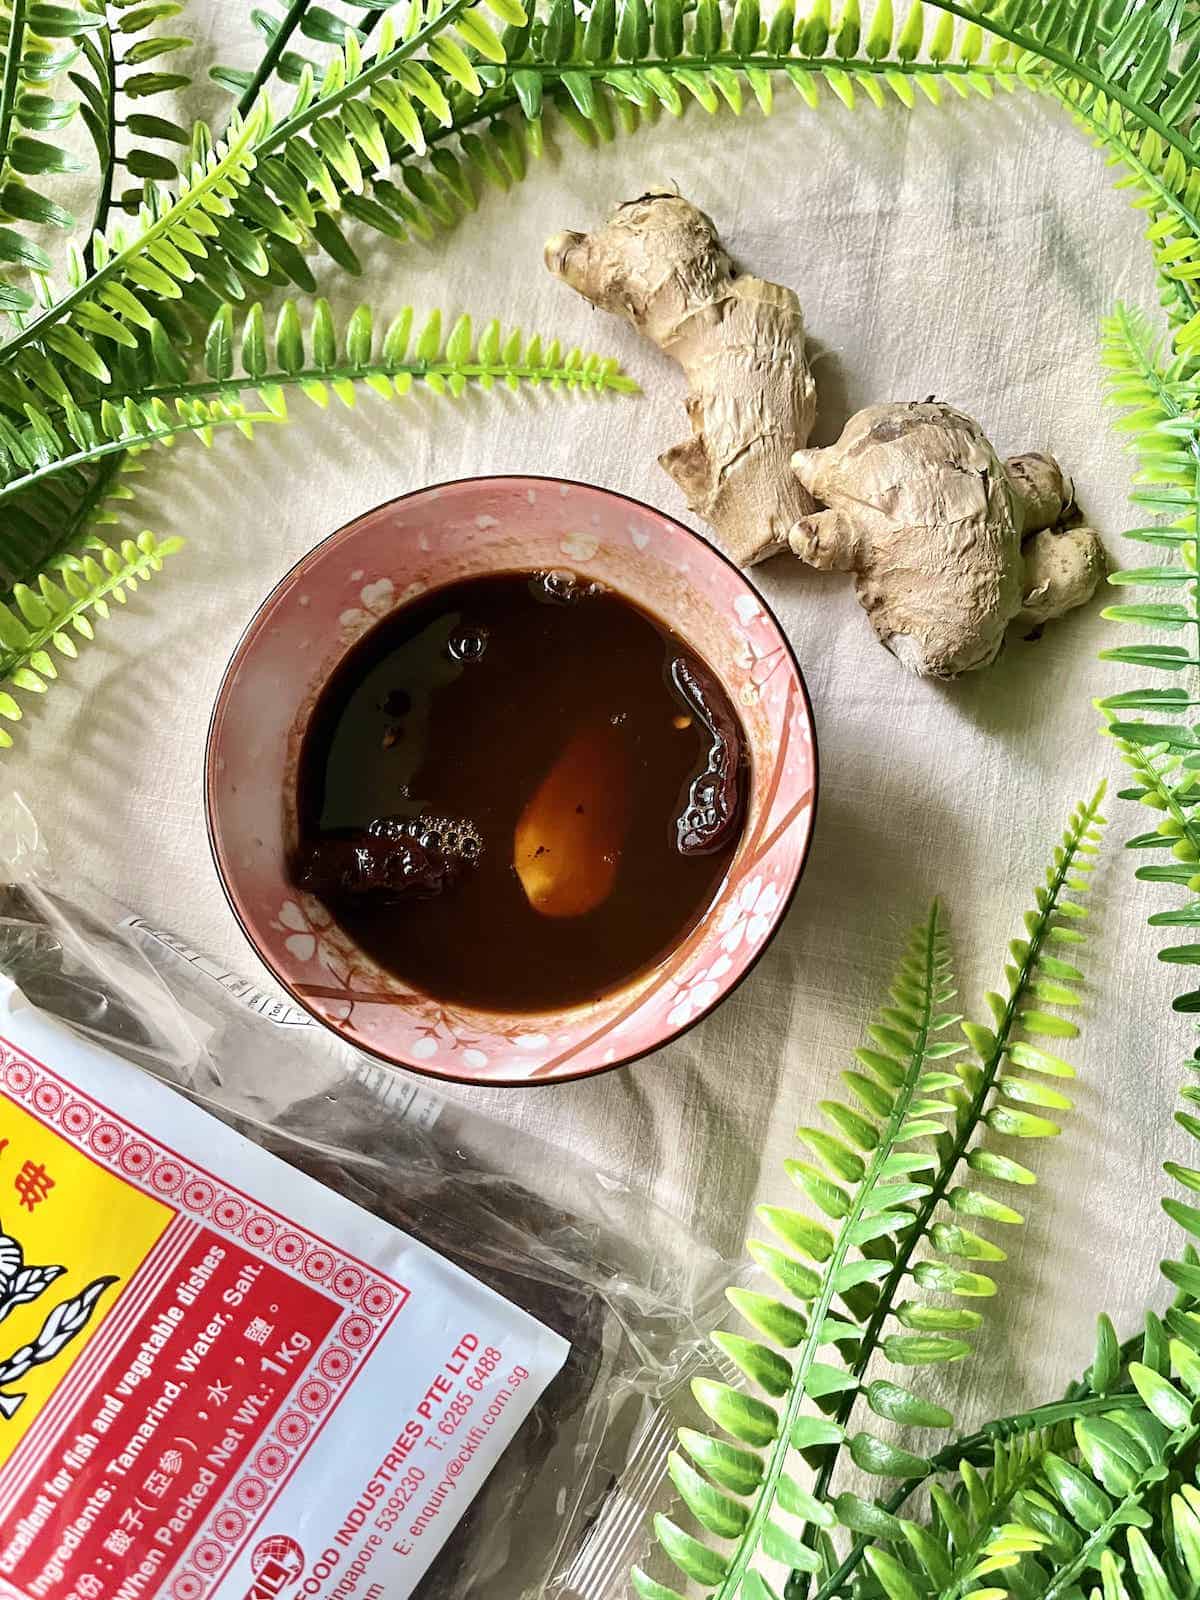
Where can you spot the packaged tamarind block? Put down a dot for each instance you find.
(277, 1322)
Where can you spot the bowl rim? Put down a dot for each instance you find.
(226, 879)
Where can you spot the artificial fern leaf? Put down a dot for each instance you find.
(150, 399)
(890, 1191)
(1011, 1519)
(1158, 395)
(51, 519)
(1080, 1487)
(385, 99)
(42, 624)
(117, 104)
(1181, 1271)
(922, 987)
(285, 55)
(882, 1188)
(623, 68)
(38, 42)
(993, 1092)
(341, 130)
(974, 1533)
(153, 257)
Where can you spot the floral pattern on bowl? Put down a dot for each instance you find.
(381, 561)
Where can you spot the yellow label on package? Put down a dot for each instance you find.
(218, 1378)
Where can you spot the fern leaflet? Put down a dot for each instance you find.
(115, 106)
(40, 40)
(50, 617)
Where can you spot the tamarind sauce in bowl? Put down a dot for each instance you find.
(547, 713)
(511, 780)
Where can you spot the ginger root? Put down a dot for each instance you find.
(923, 513)
(912, 498)
(1063, 566)
(930, 521)
(1046, 494)
(658, 263)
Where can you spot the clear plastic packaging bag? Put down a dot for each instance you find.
(625, 1284)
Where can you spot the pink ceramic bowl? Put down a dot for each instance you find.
(389, 556)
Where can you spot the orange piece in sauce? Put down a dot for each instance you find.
(567, 843)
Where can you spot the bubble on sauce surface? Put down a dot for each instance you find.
(563, 587)
(560, 586)
(455, 836)
(467, 643)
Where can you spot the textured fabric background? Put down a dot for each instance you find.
(968, 251)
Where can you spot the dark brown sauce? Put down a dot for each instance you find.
(544, 713)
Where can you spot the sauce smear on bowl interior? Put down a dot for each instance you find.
(590, 766)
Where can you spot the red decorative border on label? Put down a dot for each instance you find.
(360, 1303)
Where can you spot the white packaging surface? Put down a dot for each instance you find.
(217, 1377)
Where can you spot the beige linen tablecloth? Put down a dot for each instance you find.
(968, 251)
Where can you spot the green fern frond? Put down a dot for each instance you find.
(1168, 784)
(295, 21)
(862, 1178)
(1057, 1513)
(1075, 1496)
(1124, 1501)
(893, 1183)
(618, 65)
(1152, 725)
(1007, 1091)
(290, 27)
(165, 249)
(1107, 1485)
(973, 1535)
(660, 52)
(117, 104)
(593, 74)
(1159, 183)
(49, 619)
(318, 360)
(334, 138)
(163, 402)
(1006, 1453)
(475, 117)
(1133, 64)
(442, 83)
(611, 65)
(449, 134)
(1126, 51)
(39, 40)
(52, 520)
(1098, 1500)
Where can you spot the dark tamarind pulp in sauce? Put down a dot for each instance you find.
(548, 713)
